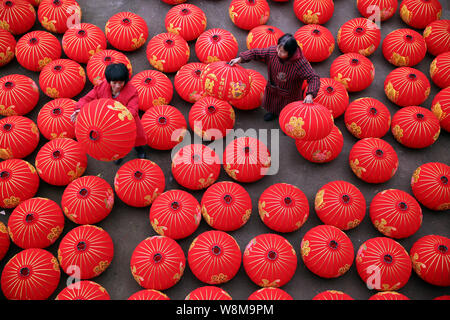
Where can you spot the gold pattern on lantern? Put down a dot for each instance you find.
(206, 216)
(262, 210)
(246, 216)
(391, 92)
(438, 112)
(343, 269)
(311, 18)
(158, 229)
(172, 29)
(218, 278)
(11, 201)
(7, 111)
(321, 156)
(305, 249)
(211, 59)
(427, 31)
(177, 276)
(367, 51)
(416, 175)
(3, 228)
(295, 127)
(231, 172)
(433, 68)
(4, 25)
(383, 228)
(232, 14)
(443, 206)
(137, 43)
(266, 283)
(77, 172)
(427, 92)
(136, 277)
(397, 132)
(237, 89)
(354, 129)
(436, 135)
(6, 56)
(160, 101)
(205, 182)
(43, 62)
(101, 267)
(98, 49)
(354, 164)
(54, 233)
(54, 135)
(399, 60)
(405, 14)
(150, 198)
(5, 153)
(55, 264)
(318, 202)
(158, 64)
(342, 80)
(123, 111)
(52, 92)
(49, 24)
(353, 224)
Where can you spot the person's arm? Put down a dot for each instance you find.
(313, 80)
(133, 104)
(91, 95)
(253, 54)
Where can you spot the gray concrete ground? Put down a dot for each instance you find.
(129, 226)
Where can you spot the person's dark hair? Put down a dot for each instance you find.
(289, 43)
(117, 72)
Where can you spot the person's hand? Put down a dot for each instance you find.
(234, 61)
(308, 99)
(73, 116)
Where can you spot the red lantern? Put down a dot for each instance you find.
(36, 49)
(216, 45)
(60, 161)
(313, 12)
(406, 86)
(106, 129)
(19, 181)
(340, 204)
(263, 36)
(211, 118)
(126, 31)
(441, 108)
(322, 150)
(85, 252)
(359, 35)
(97, 64)
(83, 290)
(36, 223)
(404, 47)
(226, 206)
(54, 119)
(32, 274)
(82, 41)
(168, 52)
(173, 2)
(214, 257)
(316, 42)
(148, 294)
(306, 121)
(7, 47)
(445, 297)
(196, 166)
(248, 14)
(430, 256)
(164, 126)
(327, 251)
(62, 78)
(246, 159)
(157, 263)
(186, 20)
(175, 214)
(437, 37)
(4, 240)
(87, 200)
(388, 295)
(19, 137)
(188, 81)
(385, 8)
(225, 82)
(254, 97)
(332, 95)
(17, 16)
(208, 293)
(367, 118)
(395, 213)
(415, 127)
(429, 184)
(35, 3)
(418, 14)
(154, 89)
(138, 182)
(353, 70)
(269, 260)
(440, 70)
(332, 295)
(283, 207)
(383, 264)
(373, 160)
(270, 293)
(19, 95)
(58, 15)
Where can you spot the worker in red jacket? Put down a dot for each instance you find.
(116, 86)
(287, 69)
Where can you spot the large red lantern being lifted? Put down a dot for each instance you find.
(355, 71)
(19, 137)
(283, 207)
(106, 129)
(316, 42)
(82, 41)
(17, 16)
(168, 52)
(157, 263)
(440, 70)
(340, 204)
(154, 89)
(359, 35)
(430, 256)
(214, 257)
(188, 81)
(322, 150)
(87, 200)
(395, 213)
(314, 11)
(58, 15)
(270, 260)
(60, 161)
(373, 160)
(263, 36)
(327, 251)
(419, 13)
(440, 106)
(97, 64)
(388, 260)
(248, 14)
(7, 47)
(36, 223)
(19, 95)
(19, 181)
(437, 37)
(83, 290)
(126, 31)
(54, 119)
(138, 182)
(385, 9)
(407, 86)
(186, 20)
(404, 47)
(216, 45)
(226, 206)
(430, 185)
(32, 274)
